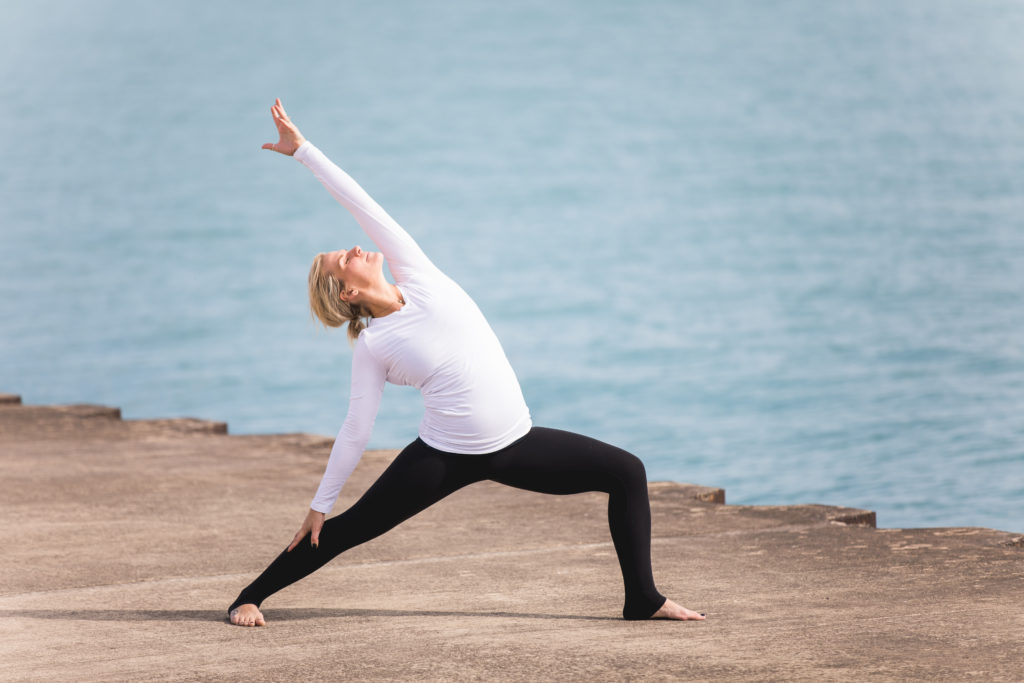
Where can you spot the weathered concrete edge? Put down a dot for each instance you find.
(708, 494)
(190, 425)
(88, 411)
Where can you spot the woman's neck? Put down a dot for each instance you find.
(382, 300)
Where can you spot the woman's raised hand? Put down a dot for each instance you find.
(311, 525)
(290, 137)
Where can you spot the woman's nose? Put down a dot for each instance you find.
(356, 250)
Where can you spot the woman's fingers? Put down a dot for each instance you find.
(314, 537)
(298, 537)
(312, 525)
(278, 111)
(280, 120)
(290, 137)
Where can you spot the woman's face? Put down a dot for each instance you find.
(356, 268)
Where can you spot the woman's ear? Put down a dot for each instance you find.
(347, 295)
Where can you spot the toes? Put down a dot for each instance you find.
(672, 610)
(247, 618)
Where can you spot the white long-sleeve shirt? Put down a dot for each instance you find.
(438, 342)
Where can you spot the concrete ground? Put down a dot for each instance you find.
(124, 542)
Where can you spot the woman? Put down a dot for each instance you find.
(426, 332)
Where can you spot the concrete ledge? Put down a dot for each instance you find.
(125, 540)
(81, 411)
(854, 517)
(187, 425)
(708, 494)
(86, 411)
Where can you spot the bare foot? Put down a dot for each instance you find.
(248, 615)
(671, 610)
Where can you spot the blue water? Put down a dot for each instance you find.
(774, 247)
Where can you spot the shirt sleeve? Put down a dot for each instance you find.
(368, 377)
(403, 255)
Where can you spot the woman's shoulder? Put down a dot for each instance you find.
(427, 284)
(363, 352)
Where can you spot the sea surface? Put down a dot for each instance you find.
(774, 247)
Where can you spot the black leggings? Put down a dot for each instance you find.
(545, 460)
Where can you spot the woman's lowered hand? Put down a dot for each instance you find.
(311, 525)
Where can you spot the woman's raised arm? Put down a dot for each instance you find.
(403, 255)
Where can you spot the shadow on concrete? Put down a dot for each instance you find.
(272, 615)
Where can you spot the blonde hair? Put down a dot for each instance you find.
(326, 305)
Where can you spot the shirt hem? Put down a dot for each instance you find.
(514, 436)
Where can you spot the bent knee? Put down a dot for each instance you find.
(631, 470)
(636, 468)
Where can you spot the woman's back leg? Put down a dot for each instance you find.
(416, 479)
